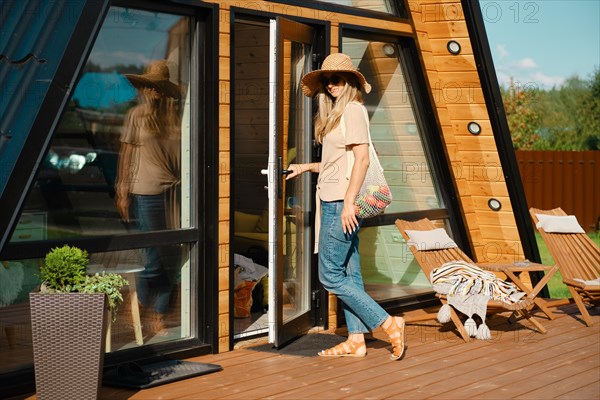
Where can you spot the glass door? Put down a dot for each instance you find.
(290, 205)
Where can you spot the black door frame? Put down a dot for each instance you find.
(319, 296)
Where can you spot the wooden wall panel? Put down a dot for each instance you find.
(224, 179)
(251, 74)
(455, 88)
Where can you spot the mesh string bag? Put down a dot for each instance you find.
(374, 195)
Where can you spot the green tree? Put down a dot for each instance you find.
(590, 114)
(561, 113)
(523, 118)
(561, 118)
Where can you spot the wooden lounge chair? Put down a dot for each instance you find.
(431, 259)
(578, 260)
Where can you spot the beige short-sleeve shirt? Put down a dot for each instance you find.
(156, 158)
(333, 179)
(333, 176)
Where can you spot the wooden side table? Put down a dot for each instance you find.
(513, 272)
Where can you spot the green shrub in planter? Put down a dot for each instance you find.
(63, 268)
(64, 271)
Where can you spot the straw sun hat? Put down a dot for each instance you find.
(156, 77)
(336, 62)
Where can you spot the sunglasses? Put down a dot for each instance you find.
(333, 79)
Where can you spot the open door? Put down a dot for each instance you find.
(290, 205)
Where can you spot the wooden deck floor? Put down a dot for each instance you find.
(516, 363)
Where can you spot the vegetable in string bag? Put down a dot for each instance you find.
(374, 195)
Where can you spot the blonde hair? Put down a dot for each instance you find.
(330, 110)
(161, 115)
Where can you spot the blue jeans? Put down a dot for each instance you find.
(155, 282)
(339, 271)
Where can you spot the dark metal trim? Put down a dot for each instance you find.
(495, 108)
(390, 219)
(180, 7)
(96, 244)
(370, 33)
(49, 115)
(251, 14)
(361, 12)
(209, 320)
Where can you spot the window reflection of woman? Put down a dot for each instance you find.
(148, 181)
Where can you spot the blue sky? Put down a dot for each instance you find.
(543, 42)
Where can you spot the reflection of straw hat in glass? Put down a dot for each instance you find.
(156, 77)
(336, 62)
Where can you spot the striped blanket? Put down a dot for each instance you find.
(468, 289)
(462, 279)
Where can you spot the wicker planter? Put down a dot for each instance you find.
(68, 332)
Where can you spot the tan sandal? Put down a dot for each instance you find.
(348, 348)
(396, 333)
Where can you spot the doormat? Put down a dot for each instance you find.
(306, 346)
(132, 375)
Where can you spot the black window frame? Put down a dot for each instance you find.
(426, 119)
(204, 61)
(401, 12)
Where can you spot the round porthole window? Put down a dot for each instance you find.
(494, 204)
(389, 50)
(453, 47)
(474, 128)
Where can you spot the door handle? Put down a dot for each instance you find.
(280, 173)
(265, 172)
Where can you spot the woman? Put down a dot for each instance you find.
(148, 181)
(338, 86)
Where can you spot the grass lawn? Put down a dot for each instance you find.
(557, 289)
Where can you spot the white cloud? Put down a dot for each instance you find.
(526, 78)
(545, 80)
(525, 73)
(526, 63)
(502, 52)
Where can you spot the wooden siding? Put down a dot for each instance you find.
(251, 74)
(516, 363)
(224, 330)
(456, 92)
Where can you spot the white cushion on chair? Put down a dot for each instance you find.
(558, 223)
(433, 239)
(592, 282)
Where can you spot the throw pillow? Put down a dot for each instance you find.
(558, 223)
(434, 239)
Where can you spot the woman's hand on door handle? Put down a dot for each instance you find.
(298, 169)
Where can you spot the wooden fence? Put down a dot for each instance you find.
(566, 179)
